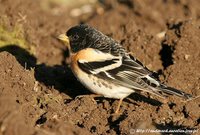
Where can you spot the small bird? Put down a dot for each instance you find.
(103, 66)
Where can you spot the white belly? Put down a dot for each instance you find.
(104, 88)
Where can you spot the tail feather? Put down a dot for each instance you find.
(159, 89)
(173, 91)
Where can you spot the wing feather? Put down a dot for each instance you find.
(128, 72)
(122, 71)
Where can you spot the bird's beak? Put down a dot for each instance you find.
(64, 39)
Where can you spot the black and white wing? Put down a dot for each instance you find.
(128, 72)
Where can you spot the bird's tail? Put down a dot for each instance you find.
(155, 87)
(172, 91)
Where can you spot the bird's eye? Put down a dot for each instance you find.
(75, 37)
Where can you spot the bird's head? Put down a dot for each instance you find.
(78, 37)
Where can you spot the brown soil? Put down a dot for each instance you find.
(40, 95)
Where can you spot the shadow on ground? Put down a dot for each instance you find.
(59, 76)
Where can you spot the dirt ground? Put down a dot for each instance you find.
(40, 96)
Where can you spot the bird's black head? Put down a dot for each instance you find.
(81, 36)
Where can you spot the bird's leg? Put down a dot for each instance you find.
(118, 106)
(94, 96)
(90, 95)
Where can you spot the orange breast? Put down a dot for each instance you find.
(88, 55)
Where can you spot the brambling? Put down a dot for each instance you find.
(103, 66)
